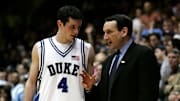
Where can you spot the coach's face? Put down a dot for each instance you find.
(112, 36)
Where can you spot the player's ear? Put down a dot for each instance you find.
(59, 23)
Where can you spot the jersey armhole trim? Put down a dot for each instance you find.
(42, 56)
(83, 55)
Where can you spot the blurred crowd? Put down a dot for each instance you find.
(154, 27)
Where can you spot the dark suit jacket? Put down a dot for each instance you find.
(136, 79)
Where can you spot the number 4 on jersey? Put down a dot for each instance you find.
(63, 85)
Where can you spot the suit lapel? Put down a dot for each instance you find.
(123, 63)
(109, 82)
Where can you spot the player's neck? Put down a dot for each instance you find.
(61, 39)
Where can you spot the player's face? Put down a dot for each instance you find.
(112, 35)
(71, 29)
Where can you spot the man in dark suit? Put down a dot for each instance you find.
(136, 74)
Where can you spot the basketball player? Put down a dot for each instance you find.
(57, 61)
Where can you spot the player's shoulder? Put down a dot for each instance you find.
(39, 43)
(83, 42)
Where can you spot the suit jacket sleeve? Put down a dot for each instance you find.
(148, 77)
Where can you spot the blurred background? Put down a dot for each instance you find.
(26, 21)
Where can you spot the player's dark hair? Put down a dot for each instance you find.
(68, 11)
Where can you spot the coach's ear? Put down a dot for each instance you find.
(124, 31)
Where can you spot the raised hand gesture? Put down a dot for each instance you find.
(88, 81)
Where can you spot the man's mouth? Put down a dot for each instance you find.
(109, 43)
(74, 36)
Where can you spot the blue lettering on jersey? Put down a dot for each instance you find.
(66, 68)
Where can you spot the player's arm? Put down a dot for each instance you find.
(91, 55)
(88, 77)
(30, 86)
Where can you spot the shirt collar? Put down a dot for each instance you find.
(126, 46)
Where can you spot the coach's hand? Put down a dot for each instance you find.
(88, 81)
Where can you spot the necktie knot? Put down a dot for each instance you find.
(117, 52)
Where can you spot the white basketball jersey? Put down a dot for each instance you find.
(60, 68)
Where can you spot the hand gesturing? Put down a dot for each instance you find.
(88, 81)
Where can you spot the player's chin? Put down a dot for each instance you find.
(73, 38)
